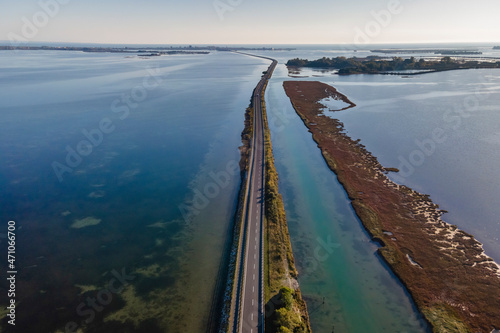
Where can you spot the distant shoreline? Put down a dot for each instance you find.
(394, 66)
(434, 51)
(154, 50)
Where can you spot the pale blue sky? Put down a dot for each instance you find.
(250, 21)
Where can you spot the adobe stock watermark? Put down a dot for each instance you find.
(92, 305)
(203, 194)
(279, 118)
(223, 6)
(453, 120)
(94, 137)
(381, 19)
(208, 191)
(39, 20)
(323, 250)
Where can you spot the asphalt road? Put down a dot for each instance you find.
(252, 279)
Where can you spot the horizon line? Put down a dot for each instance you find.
(10, 43)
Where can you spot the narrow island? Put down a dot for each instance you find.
(396, 65)
(454, 284)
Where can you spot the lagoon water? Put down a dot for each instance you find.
(346, 286)
(158, 190)
(442, 130)
(170, 123)
(397, 119)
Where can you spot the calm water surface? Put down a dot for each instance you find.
(346, 286)
(152, 199)
(396, 118)
(127, 205)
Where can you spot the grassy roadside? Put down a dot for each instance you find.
(285, 311)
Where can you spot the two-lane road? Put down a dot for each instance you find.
(252, 279)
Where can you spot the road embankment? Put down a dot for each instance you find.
(284, 306)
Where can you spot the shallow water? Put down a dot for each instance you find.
(346, 286)
(396, 118)
(158, 193)
(169, 127)
(442, 131)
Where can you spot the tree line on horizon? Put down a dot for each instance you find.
(375, 64)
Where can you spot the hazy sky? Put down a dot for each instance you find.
(250, 21)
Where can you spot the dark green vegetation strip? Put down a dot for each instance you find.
(286, 311)
(378, 65)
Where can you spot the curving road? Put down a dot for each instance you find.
(251, 277)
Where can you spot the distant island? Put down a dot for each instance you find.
(397, 65)
(496, 47)
(154, 51)
(141, 52)
(458, 52)
(435, 51)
